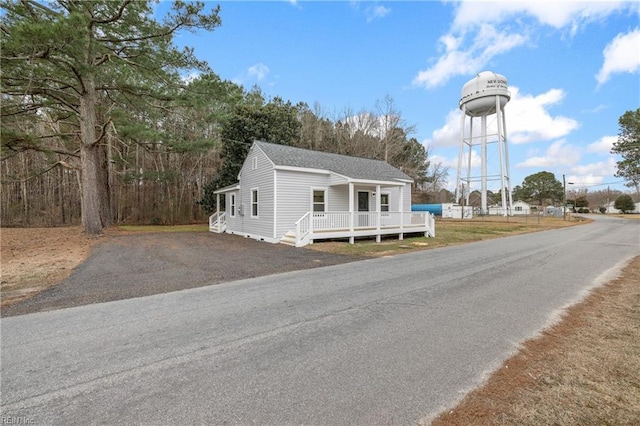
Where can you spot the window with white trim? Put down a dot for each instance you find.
(232, 206)
(254, 202)
(319, 197)
(384, 202)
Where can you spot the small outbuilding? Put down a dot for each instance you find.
(295, 196)
(519, 208)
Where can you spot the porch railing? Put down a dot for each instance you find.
(218, 222)
(333, 221)
(303, 229)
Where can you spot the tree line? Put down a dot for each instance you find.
(101, 126)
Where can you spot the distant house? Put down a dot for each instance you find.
(295, 196)
(519, 208)
(610, 209)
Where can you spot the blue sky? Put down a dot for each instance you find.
(573, 69)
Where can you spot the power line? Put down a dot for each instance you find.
(599, 184)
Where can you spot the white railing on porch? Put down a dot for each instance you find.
(314, 223)
(303, 229)
(333, 221)
(218, 222)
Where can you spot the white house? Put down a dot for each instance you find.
(295, 196)
(610, 209)
(519, 208)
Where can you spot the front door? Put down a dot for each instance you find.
(363, 206)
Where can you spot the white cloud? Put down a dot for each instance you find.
(528, 120)
(258, 71)
(483, 30)
(376, 12)
(592, 174)
(445, 161)
(600, 168)
(191, 77)
(621, 55)
(449, 134)
(452, 164)
(596, 109)
(559, 15)
(488, 43)
(602, 145)
(558, 154)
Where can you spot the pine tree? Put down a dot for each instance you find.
(69, 60)
(628, 147)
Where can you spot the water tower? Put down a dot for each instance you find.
(483, 97)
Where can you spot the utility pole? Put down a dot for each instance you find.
(564, 198)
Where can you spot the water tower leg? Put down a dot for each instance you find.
(470, 144)
(506, 159)
(483, 129)
(501, 155)
(460, 155)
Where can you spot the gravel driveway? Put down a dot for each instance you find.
(139, 265)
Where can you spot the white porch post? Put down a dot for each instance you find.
(401, 210)
(351, 195)
(379, 213)
(218, 204)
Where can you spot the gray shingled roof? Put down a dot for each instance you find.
(351, 167)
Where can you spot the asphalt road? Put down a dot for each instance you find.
(389, 340)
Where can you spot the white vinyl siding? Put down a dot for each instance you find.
(295, 196)
(339, 198)
(407, 198)
(394, 199)
(259, 179)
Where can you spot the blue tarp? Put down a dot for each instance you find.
(434, 209)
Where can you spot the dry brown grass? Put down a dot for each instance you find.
(33, 259)
(582, 371)
(448, 232)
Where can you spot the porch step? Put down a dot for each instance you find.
(216, 228)
(289, 238)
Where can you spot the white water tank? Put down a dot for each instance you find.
(479, 94)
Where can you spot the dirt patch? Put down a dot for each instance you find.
(34, 259)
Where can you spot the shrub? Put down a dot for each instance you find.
(625, 203)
